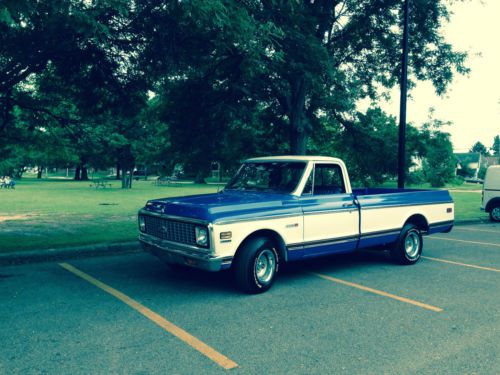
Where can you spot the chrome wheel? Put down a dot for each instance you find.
(265, 266)
(495, 214)
(412, 244)
(256, 265)
(407, 249)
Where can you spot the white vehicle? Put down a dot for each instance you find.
(491, 192)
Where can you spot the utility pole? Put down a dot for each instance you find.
(402, 106)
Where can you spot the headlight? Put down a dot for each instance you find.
(142, 223)
(201, 234)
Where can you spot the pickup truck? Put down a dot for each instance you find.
(287, 208)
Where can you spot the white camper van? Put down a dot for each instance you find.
(491, 192)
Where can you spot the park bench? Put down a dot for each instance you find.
(8, 185)
(100, 184)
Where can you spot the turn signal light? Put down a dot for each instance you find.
(225, 235)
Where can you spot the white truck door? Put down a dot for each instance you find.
(331, 217)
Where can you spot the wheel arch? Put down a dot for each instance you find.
(420, 221)
(271, 234)
(492, 203)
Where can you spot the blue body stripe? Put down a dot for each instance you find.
(440, 228)
(307, 251)
(234, 206)
(320, 250)
(379, 240)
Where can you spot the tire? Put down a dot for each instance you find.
(408, 248)
(495, 213)
(256, 265)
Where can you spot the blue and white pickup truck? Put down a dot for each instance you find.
(287, 208)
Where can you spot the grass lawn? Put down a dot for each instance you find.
(59, 212)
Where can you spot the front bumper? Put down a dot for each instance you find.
(171, 252)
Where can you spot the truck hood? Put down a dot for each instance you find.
(233, 205)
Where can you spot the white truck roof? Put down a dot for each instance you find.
(295, 158)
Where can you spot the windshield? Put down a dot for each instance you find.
(273, 177)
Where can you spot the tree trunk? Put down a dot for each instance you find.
(126, 161)
(199, 178)
(39, 172)
(84, 175)
(77, 173)
(6, 115)
(118, 177)
(298, 125)
(298, 141)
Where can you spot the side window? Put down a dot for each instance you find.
(328, 179)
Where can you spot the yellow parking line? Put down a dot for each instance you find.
(379, 292)
(189, 339)
(465, 241)
(463, 264)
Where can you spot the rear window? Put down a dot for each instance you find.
(328, 179)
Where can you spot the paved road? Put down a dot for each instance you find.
(356, 314)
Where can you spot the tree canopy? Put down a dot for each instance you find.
(114, 82)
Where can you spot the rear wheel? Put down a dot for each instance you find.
(408, 248)
(256, 265)
(495, 213)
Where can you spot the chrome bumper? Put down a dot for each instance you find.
(171, 252)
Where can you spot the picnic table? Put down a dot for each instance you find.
(166, 180)
(100, 184)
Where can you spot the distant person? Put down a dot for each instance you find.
(2, 183)
(12, 183)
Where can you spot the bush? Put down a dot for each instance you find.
(415, 178)
(436, 179)
(458, 180)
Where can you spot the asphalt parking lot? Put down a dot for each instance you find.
(356, 314)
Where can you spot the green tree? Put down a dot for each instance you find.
(337, 52)
(204, 66)
(478, 147)
(367, 144)
(439, 162)
(275, 70)
(232, 79)
(66, 36)
(495, 148)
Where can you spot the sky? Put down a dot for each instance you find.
(472, 103)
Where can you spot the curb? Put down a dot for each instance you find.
(472, 221)
(38, 256)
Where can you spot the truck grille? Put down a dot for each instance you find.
(170, 230)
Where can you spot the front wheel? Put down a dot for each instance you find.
(495, 213)
(408, 248)
(256, 265)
